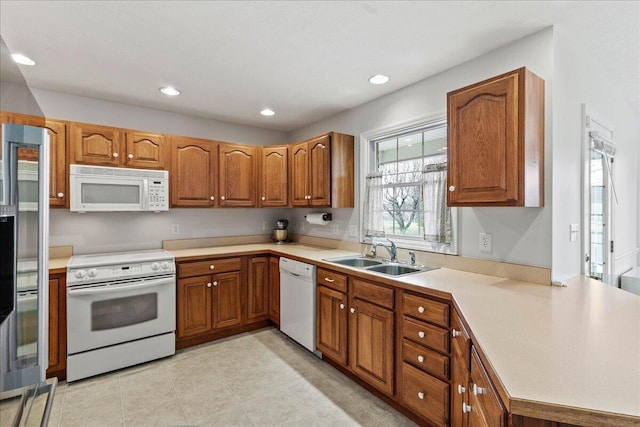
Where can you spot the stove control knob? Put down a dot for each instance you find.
(165, 265)
(93, 272)
(155, 266)
(80, 274)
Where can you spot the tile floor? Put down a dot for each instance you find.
(259, 378)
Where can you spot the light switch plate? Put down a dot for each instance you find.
(485, 242)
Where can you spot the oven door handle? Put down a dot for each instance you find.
(110, 289)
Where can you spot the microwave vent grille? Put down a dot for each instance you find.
(120, 172)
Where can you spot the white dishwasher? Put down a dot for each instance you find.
(298, 302)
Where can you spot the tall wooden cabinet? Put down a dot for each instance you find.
(274, 289)
(496, 142)
(258, 302)
(274, 177)
(57, 326)
(322, 172)
(194, 172)
(238, 175)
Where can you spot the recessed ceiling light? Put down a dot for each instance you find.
(171, 91)
(267, 112)
(21, 59)
(378, 79)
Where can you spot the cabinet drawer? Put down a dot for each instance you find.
(212, 266)
(425, 309)
(426, 395)
(372, 293)
(425, 359)
(332, 280)
(431, 336)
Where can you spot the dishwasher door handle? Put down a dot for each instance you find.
(290, 273)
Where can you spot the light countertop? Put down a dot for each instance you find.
(575, 347)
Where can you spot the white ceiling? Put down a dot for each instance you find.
(305, 59)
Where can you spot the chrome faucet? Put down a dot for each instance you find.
(391, 247)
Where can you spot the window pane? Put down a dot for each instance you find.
(435, 141)
(387, 151)
(410, 147)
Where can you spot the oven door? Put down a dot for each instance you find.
(101, 315)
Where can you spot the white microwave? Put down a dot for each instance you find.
(103, 189)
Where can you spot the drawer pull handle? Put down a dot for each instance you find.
(421, 334)
(420, 395)
(478, 390)
(352, 310)
(461, 389)
(341, 306)
(326, 279)
(222, 197)
(466, 408)
(421, 309)
(455, 333)
(420, 359)
(211, 267)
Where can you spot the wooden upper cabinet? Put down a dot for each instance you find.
(322, 172)
(95, 145)
(496, 142)
(193, 172)
(274, 182)
(146, 150)
(238, 175)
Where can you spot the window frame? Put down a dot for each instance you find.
(368, 164)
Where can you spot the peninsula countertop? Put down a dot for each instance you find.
(573, 349)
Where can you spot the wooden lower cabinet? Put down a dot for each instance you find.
(258, 289)
(425, 395)
(485, 406)
(57, 326)
(194, 306)
(460, 354)
(227, 304)
(274, 289)
(331, 323)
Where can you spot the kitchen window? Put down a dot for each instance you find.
(405, 189)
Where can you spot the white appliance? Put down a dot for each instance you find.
(121, 310)
(28, 184)
(630, 281)
(298, 302)
(103, 189)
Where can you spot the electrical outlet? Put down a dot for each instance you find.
(175, 228)
(353, 230)
(265, 225)
(485, 242)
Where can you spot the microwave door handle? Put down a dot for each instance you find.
(145, 194)
(110, 289)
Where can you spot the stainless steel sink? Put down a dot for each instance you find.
(378, 265)
(357, 261)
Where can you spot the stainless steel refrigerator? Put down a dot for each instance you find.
(24, 255)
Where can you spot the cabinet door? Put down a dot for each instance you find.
(460, 353)
(486, 408)
(274, 290)
(331, 324)
(300, 194)
(146, 150)
(95, 145)
(57, 326)
(193, 172)
(274, 183)
(194, 306)
(320, 171)
(238, 175)
(57, 131)
(371, 344)
(258, 289)
(227, 306)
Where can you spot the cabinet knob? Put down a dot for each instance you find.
(455, 333)
(209, 285)
(326, 279)
(420, 359)
(420, 395)
(212, 198)
(211, 267)
(221, 197)
(421, 309)
(466, 408)
(215, 283)
(264, 198)
(477, 390)
(461, 389)
(421, 334)
(308, 197)
(341, 306)
(352, 310)
(60, 195)
(115, 155)
(452, 188)
(130, 156)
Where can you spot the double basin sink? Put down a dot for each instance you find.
(378, 265)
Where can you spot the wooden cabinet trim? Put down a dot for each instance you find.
(373, 293)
